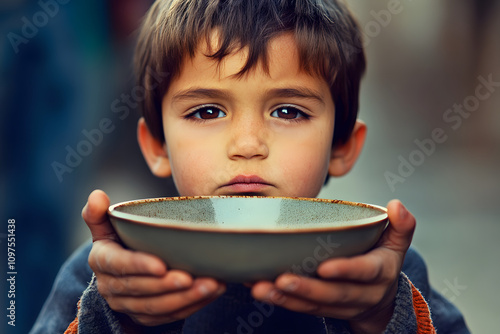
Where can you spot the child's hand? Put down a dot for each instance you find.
(360, 289)
(139, 284)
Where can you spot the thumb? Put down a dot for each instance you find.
(399, 232)
(96, 217)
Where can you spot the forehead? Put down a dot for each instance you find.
(283, 69)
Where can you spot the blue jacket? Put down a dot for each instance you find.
(235, 311)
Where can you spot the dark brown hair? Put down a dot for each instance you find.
(327, 37)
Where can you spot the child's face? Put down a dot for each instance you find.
(261, 134)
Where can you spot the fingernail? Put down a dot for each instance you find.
(203, 290)
(291, 284)
(180, 283)
(206, 288)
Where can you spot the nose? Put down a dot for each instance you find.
(248, 139)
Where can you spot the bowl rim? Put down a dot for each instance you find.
(157, 222)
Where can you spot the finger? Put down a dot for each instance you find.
(189, 310)
(399, 232)
(367, 268)
(313, 296)
(327, 292)
(95, 215)
(174, 280)
(383, 262)
(111, 258)
(265, 291)
(170, 303)
(148, 320)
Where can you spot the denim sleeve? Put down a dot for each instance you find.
(445, 316)
(60, 308)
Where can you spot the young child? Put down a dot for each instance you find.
(255, 98)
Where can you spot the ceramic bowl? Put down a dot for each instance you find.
(242, 239)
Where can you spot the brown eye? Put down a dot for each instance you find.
(287, 113)
(208, 113)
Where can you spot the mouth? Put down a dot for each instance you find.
(246, 185)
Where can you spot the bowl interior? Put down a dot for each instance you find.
(246, 214)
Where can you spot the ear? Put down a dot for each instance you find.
(344, 156)
(153, 150)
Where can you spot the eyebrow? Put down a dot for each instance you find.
(299, 92)
(200, 93)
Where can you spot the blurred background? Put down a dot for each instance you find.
(431, 99)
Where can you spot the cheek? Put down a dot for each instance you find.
(194, 164)
(306, 169)
(187, 168)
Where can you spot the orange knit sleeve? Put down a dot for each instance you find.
(424, 321)
(73, 326)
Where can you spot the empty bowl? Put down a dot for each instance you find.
(244, 238)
